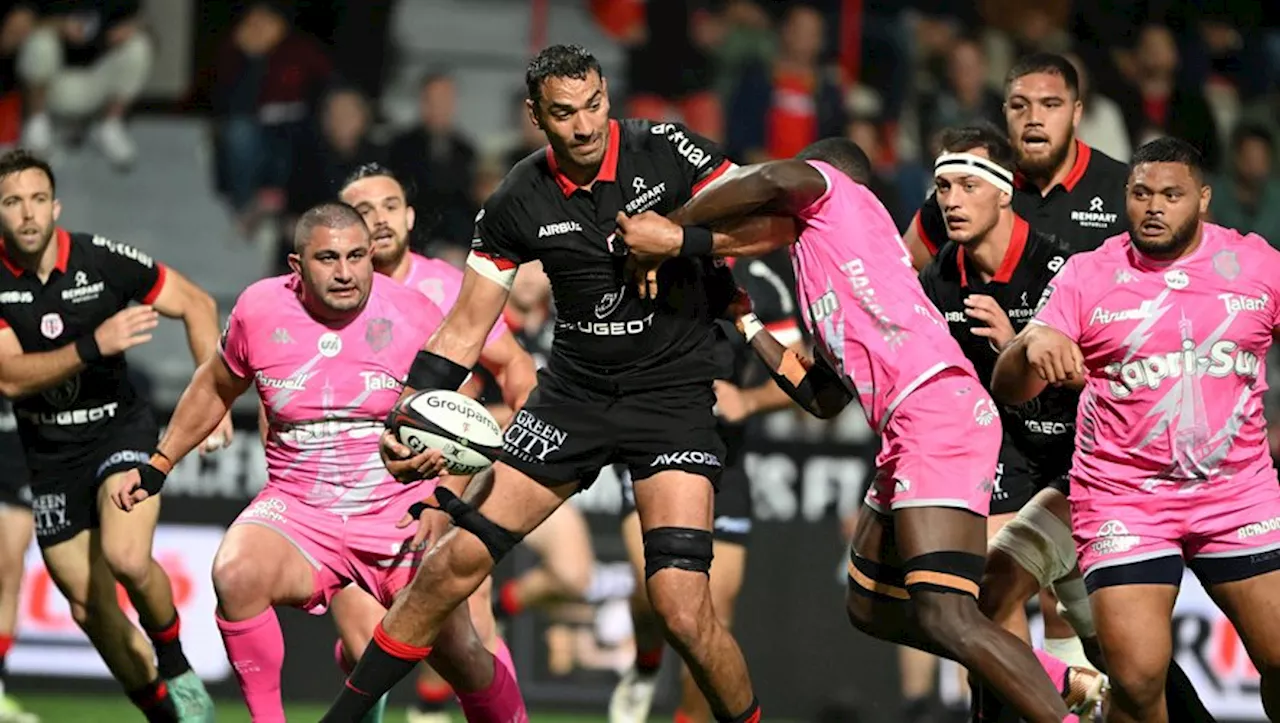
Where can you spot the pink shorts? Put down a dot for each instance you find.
(1226, 531)
(939, 448)
(368, 550)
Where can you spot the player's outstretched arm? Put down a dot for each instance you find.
(783, 188)
(512, 367)
(23, 373)
(1037, 357)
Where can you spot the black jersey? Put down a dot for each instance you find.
(607, 338)
(1080, 213)
(1042, 431)
(771, 283)
(93, 279)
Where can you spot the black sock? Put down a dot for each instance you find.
(1183, 702)
(154, 701)
(170, 660)
(750, 715)
(385, 662)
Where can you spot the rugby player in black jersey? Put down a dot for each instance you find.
(987, 281)
(16, 526)
(769, 281)
(629, 380)
(65, 320)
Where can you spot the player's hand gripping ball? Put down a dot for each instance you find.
(468, 437)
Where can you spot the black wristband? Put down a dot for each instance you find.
(152, 478)
(698, 241)
(432, 371)
(87, 348)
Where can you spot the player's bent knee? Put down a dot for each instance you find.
(1039, 542)
(130, 564)
(240, 579)
(497, 539)
(681, 548)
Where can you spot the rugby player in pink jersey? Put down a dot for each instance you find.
(1168, 325)
(918, 548)
(325, 347)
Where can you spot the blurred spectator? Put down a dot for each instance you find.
(528, 137)
(777, 111)
(1162, 107)
(748, 39)
(669, 69)
(266, 80)
(884, 183)
(17, 20)
(1102, 123)
(965, 99)
(441, 163)
(87, 58)
(327, 155)
(1248, 197)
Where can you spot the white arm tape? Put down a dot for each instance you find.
(485, 266)
(751, 326)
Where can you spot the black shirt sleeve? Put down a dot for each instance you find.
(496, 234)
(136, 275)
(698, 160)
(930, 224)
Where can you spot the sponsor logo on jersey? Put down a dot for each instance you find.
(686, 147)
(295, 383)
(1223, 359)
(379, 381)
(646, 200)
(124, 250)
(51, 326)
(1106, 316)
(72, 417)
(1096, 217)
(531, 439)
(329, 345)
(984, 412)
(1236, 303)
(685, 457)
(559, 229)
(16, 297)
(1258, 529)
(1113, 537)
(609, 328)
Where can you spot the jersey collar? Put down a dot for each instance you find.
(1012, 255)
(1083, 153)
(61, 237)
(608, 167)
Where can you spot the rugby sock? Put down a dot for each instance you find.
(503, 654)
(501, 702)
(433, 697)
(648, 661)
(255, 648)
(170, 659)
(385, 662)
(154, 702)
(750, 715)
(1184, 704)
(6, 642)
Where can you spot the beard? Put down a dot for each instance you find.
(11, 240)
(1043, 167)
(1173, 248)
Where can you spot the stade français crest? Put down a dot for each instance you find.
(378, 333)
(1226, 264)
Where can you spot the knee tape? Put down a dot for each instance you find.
(683, 548)
(1073, 605)
(1039, 542)
(948, 571)
(498, 540)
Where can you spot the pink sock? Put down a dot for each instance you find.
(255, 648)
(499, 703)
(503, 654)
(1056, 669)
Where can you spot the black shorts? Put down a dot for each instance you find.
(1013, 491)
(566, 433)
(65, 492)
(15, 479)
(734, 508)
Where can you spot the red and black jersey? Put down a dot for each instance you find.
(93, 279)
(1080, 213)
(607, 337)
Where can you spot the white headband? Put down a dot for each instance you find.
(974, 166)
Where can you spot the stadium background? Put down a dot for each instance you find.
(895, 68)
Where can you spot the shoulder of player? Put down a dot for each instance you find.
(1042, 249)
(268, 290)
(99, 246)
(1106, 168)
(525, 179)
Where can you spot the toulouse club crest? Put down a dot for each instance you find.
(377, 332)
(1226, 264)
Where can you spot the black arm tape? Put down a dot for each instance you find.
(87, 349)
(152, 479)
(683, 548)
(820, 390)
(698, 241)
(432, 371)
(496, 539)
(946, 571)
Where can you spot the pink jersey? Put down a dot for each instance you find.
(1174, 355)
(863, 301)
(327, 389)
(441, 282)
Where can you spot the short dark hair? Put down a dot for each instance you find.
(434, 76)
(1050, 63)
(842, 153)
(330, 214)
(20, 159)
(559, 61)
(373, 169)
(1251, 131)
(1170, 150)
(980, 135)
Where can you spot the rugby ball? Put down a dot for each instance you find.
(459, 426)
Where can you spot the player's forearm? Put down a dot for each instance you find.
(782, 187)
(200, 316)
(1014, 381)
(202, 406)
(517, 379)
(821, 395)
(751, 236)
(32, 372)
